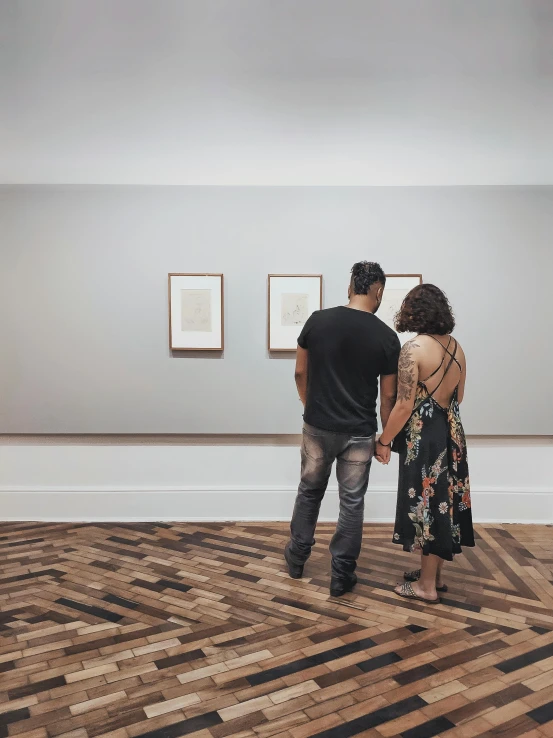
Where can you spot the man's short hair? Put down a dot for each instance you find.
(364, 274)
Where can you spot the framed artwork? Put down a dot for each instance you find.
(196, 312)
(397, 287)
(291, 300)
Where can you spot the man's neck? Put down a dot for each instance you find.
(364, 303)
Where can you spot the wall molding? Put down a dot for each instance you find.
(220, 439)
(115, 503)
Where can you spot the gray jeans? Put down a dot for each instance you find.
(354, 456)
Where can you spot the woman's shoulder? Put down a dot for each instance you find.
(424, 345)
(456, 346)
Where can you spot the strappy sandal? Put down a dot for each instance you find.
(414, 576)
(408, 593)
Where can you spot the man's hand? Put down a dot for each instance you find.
(383, 453)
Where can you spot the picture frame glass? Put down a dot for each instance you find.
(292, 299)
(196, 312)
(397, 288)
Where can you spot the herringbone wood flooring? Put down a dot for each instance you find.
(165, 630)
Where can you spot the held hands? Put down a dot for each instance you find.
(383, 453)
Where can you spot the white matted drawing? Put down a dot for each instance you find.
(292, 298)
(295, 308)
(196, 320)
(196, 310)
(397, 287)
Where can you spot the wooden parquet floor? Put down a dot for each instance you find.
(168, 630)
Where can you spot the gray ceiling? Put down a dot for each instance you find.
(87, 78)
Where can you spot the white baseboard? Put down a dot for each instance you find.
(239, 503)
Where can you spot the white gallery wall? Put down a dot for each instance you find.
(237, 478)
(258, 92)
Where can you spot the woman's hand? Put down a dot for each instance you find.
(383, 453)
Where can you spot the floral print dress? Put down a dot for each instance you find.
(434, 507)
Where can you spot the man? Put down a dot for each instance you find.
(341, 354)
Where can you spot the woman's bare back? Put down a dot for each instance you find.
(434, 354)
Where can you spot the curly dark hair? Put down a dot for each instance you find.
(364, 274)
(425, 309)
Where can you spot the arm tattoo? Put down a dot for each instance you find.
(406, 378)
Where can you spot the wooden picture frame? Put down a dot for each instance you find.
(199, 301)
(283, 331)
(414, 276)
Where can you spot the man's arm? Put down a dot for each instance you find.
(301, 373)
(388, 390)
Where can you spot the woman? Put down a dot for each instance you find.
(433, 507)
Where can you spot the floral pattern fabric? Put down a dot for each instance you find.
(434, 506)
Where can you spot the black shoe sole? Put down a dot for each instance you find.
(340, 592)
(343, 590)
(294, 571)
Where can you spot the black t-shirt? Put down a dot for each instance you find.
(348, 351)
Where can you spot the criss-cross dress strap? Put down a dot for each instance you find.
(446, 352)
(453, 358)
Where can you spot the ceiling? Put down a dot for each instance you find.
(277, 91)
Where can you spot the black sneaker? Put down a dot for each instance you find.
(294, 570)
(339, 587)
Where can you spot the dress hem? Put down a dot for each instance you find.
(408, 546)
